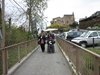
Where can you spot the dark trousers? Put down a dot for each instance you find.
(42, 47)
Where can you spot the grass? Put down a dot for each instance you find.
(89, 61)
(96, 50)
(12, 57)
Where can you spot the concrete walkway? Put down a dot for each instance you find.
(44, 64)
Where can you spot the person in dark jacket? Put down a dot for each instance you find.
(50, 42)
(41, 40)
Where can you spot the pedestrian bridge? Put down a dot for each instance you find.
(69, 59)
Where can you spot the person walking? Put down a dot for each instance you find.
(41, 40)
(50, 42)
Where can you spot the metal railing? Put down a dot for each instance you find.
(13, 54)
(83, 61)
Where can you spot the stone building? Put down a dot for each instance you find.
(57, 20)
(91, 21)
(65, 20)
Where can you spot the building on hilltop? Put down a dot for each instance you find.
(91, 21)
(66, 20)
(57, 20)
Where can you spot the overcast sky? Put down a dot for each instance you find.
(81, 8)
(58, 8)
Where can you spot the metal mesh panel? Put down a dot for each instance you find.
(12, 56)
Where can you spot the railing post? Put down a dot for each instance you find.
(4, 52)
(4, 59)
(19, 58)
(33, 43)
(93, 42)
(29, 46)
(26, 48)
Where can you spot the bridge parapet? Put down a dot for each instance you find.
(83, 61)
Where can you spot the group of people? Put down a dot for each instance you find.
(46, 38)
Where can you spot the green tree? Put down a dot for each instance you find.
(56, 25)
(36, 11)
(16, 34)
(74, 25)
(60, 27)
(97, 25)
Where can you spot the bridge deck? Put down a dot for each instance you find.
(44, 64)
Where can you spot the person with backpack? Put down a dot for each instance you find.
(41, 40)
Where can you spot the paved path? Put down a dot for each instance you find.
(44, 64)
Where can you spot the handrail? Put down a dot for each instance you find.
(15, 44)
